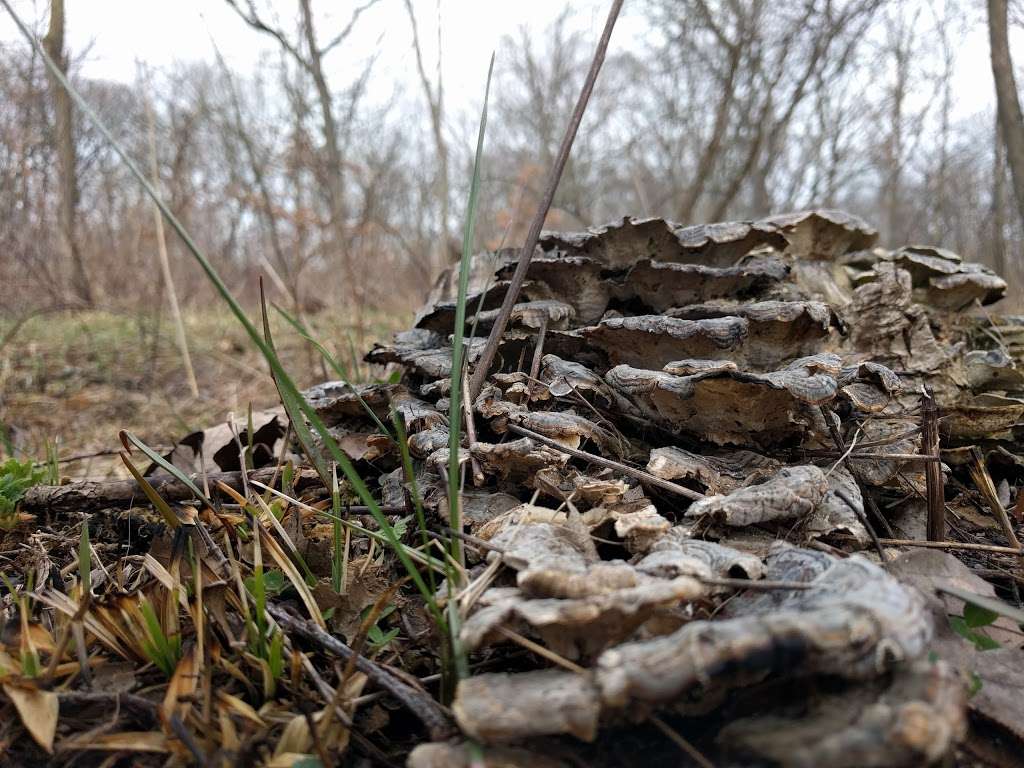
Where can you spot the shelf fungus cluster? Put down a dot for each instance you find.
(676, 475)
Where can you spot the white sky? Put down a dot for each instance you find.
(158, 32)
(117, 33)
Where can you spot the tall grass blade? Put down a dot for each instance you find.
(455, 396)
(339, 371)
(414, 489)
(291, 405)
(85, 560)
(291, 397)
(156, 458)
(154, 498)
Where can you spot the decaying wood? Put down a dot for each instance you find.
(420, 704)
(933, 472)
(88, 496)
(555, 175)
(766, 376)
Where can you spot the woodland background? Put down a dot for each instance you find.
(347, 191)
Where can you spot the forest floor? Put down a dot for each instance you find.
(74, 379)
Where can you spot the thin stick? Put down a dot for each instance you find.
(837, 438)
(483, 365)
(165, 264)
(467, 406)
(682, 743)
(418, 703)
(933, 472)
(890, 439)
(905, 457)
(639, 474)
(953, 545)
(764, 584)
(540, 650)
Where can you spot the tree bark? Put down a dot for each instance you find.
(1011, 120)
(435, 103)
(999, 203)
(67, 161)
(329, 125)
(90, 495)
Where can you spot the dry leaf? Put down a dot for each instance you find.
(38, 710)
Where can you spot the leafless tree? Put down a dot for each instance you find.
(434, 95)
(308, 54)
(64, 140)
(1011, 119)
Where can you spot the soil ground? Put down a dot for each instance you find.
(74, 379)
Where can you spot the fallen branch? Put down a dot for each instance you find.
(91, 495)
(483, 365)
(428, 711)
(639, 474)
(953, 545)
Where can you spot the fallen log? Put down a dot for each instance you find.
(91, 495)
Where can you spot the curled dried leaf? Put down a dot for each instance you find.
(791, 492)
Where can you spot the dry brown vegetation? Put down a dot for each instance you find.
(746, 493)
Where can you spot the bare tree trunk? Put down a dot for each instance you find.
(165, 262)
(329, 126)
(1011, 120)
(66, 156)
(435, 102)
(894, 178)
(999, 203)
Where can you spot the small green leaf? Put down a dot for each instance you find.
(978, 638)
(989, 603)
(975, 686)
(274, 583)
(976, 616)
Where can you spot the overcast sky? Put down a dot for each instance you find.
(117, 33)
(158, 32)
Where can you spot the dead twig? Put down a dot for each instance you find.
(954, 545)
(467, 407)
(490, 349)
(905, 457)
(428, 711)
(982, 479)
(538, 349)
(639, 474)
(837, 438)
(933, 472)
(104, 494)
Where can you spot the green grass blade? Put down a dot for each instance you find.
(339, 371)
(154, 498)
(293, 407)
(290, 393)
(156, 458)
(410, 478)
(85, 560)
(455, 396)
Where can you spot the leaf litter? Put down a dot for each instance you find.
(684, 487)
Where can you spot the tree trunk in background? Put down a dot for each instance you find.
(1011, 121)
(329, 126)
(435, 104)
(64, 140)
(999, 203)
